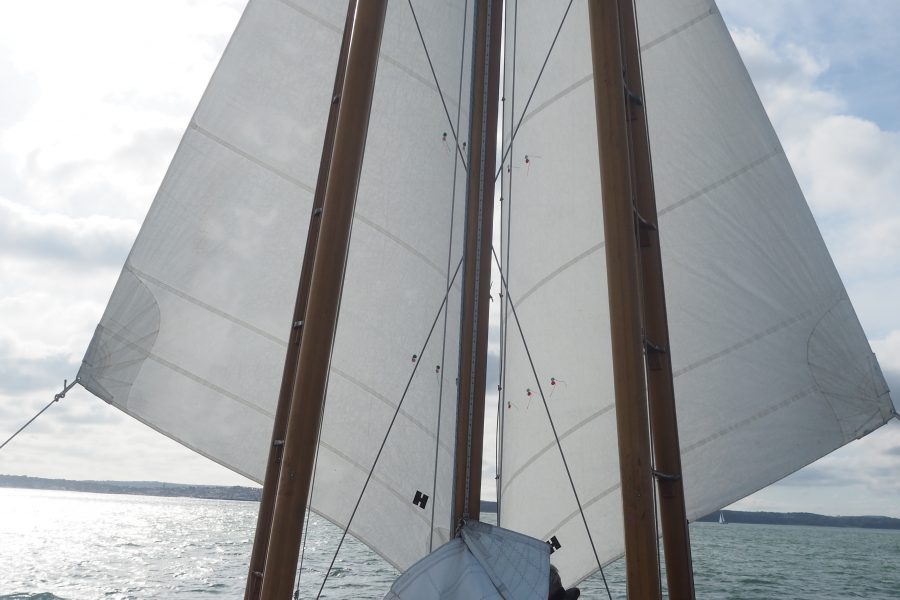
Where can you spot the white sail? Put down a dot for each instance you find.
(772, 369)
(194, 337)
(484, 562)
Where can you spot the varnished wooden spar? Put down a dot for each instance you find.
(477, 265)
(324, 298)
(660, 386)
(641, 562)
(282, 409)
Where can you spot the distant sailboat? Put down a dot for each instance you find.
(771, 367)
(722, 520)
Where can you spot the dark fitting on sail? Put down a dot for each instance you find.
(554, 544)
(420, 499)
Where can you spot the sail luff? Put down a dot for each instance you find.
(301, 436)
(477, 261)
(660, 383)
(641, 560)
(288, 379)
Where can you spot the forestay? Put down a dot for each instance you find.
(772, 369)
(193, 340)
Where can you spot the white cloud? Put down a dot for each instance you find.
(80, 241)
(95, 97)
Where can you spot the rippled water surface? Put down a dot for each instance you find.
(85, 546)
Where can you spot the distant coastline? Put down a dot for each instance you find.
(134, 488)
(806, 519)
(251, 494)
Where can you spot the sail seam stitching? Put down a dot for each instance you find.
(311, 15)
(750, 340)
(382, 56)
(593, 500)
(706, 190)
(557, 97)
(246, 155)
(380, 480)
(184, 372)
(537, 455)
(553, 274)
(590, 76)
(217, 311)
(747, 420)
(390, 427)
(408, 247)
(720, 182)
(674, 32)
(540, 388)
(352, 380)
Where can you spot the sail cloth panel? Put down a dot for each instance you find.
(194, 337)
(483, 562)
(772, 369)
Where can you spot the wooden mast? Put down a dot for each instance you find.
(324, 298)
(619, 224)
(660, 385)
(282, 410)
(477, 262)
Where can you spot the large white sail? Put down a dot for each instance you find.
(194, 337)
(772, 369)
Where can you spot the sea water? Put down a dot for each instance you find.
(76, 545)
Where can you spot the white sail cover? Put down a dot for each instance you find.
(772, 369)
(194, 337)
(483, 563)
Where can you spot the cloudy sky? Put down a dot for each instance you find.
(94, 101)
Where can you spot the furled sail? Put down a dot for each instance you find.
(772, 369)
(194, 336)
(484, 562)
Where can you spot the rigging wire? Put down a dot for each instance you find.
(437, 441)
(66, 387)
(562, 454)
(505, 209)
(533, 89)
(438, 85)
(390, 426)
